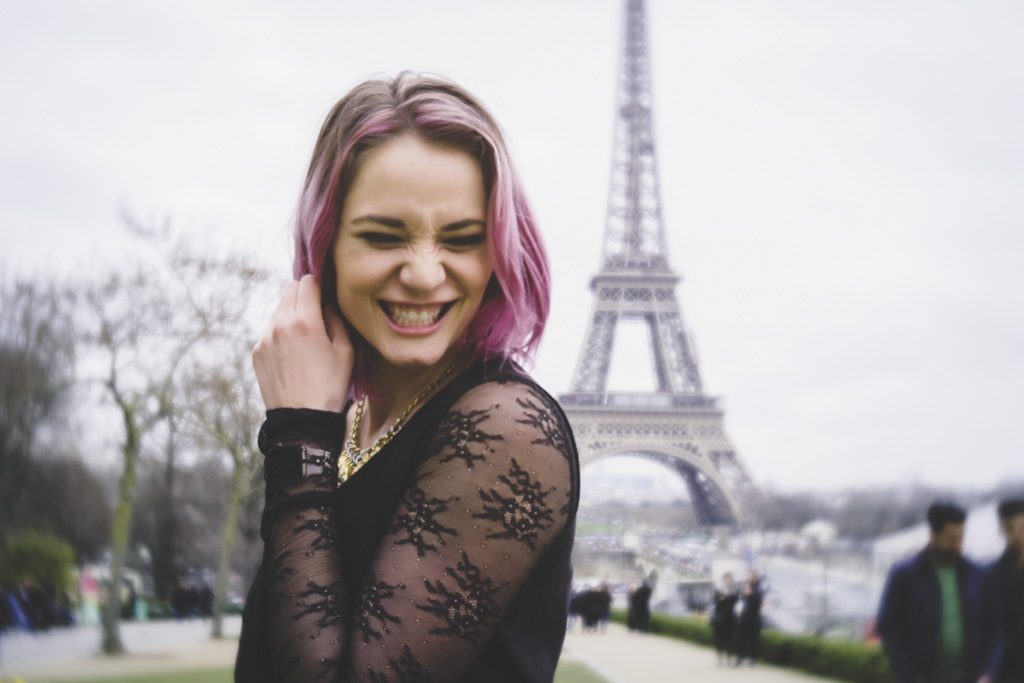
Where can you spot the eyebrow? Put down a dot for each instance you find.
(383, 220)
(389, 222)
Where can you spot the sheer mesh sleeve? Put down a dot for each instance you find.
(493, 491)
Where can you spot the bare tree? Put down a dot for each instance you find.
(226, 412)
(224, 408)
(37, 353)
(145, 326)
(214, 293)
(133, 326)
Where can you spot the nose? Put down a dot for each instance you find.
(422, 270)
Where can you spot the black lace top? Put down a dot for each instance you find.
(445, 558)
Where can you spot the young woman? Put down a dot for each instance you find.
(723, 619)
(421, 488)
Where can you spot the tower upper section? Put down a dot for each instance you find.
(634, 238)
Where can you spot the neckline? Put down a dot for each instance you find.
(413, 422)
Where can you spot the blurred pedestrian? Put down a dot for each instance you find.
(605, 604)
(589, 608)
(930, 614)
(638, 615)
(1005, 599)
(205, 600)
(723, 618)
(748, 624)
(6, 613)
(573, 610)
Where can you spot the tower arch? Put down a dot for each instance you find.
(677, 423)
(713, 501)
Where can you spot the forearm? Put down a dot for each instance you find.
(308, 615)
(891, 629)
(898, 660)
(308, 612)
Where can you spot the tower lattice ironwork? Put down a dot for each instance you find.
(676, 424)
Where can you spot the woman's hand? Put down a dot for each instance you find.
(304, 359)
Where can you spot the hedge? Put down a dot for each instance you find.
(844, 660)
(36, 557)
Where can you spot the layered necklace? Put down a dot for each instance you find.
(353, 457)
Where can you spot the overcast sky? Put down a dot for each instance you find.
(843, 184)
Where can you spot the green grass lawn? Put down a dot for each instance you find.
(203, 676)
(574, 672)
(568, 672)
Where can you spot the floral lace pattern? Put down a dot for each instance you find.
(457, 435)
(466, 607)
(467, 532)
(420, 520)
(543, 420)
(373, 614)
(523, 513)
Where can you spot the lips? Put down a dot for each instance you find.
(414, 315)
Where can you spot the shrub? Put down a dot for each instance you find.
(31, 556)
(845, 660)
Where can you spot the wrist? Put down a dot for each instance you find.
(323, 428)
(301, 445)
(290, 463)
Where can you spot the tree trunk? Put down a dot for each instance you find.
(164, 572)
(111, 643)
(239, 484)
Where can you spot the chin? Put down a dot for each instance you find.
(414, 359)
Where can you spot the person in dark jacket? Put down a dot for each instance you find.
(606, 606)
(574, 609)
(1005, 599)
(930, 617)
(748, 624)
(589, 607)
(723, 618)
(638, 615)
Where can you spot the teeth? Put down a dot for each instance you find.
(413, 317)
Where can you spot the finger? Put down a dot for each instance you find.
(335, 327)
(307, 300)
(286, 304)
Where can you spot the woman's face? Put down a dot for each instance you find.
(411, 251)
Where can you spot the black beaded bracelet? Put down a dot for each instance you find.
(288, 463)
(316, 426)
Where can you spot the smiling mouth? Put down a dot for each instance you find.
(406, 315)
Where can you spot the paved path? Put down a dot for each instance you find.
(618, 655)
(71, 654)
(621, 656)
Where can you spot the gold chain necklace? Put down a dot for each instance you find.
(353, 457)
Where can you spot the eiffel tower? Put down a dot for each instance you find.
(677, 425)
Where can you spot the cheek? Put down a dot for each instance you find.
(346, 287)
(481, 274)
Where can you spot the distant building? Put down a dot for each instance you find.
(821, 533)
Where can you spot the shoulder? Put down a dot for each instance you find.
(1003, 563)
(906, 567)
(971, 566)
(499, 372)
(503, 422)
(506, 392)
(996, 573)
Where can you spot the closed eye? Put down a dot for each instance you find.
(465, 241)
(380, 238)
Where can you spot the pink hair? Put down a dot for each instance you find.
(515, 308)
